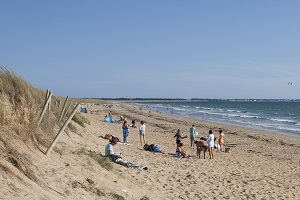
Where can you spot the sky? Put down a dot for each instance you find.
(229, 49)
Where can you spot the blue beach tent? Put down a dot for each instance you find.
(84, 110)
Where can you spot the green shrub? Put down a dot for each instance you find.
(81, 120)
(99, 193)
(104, 162)
(116, 196)
(2, 114)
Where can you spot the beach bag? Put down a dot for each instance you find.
(218, 147)
(227, 150)
(108, 136)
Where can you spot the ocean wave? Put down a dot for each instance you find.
(283, 120)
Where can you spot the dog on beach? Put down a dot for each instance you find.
(201, 146)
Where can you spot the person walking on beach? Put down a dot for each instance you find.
(178, 137)
(221, 140)
(142, 131)
(211, 143)
(125, 128)
(192, 135)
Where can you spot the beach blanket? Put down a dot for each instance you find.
(109, 119)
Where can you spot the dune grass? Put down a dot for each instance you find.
(20, 108)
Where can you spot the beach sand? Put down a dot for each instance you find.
(261, 165)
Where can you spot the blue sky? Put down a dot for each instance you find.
(154, 49)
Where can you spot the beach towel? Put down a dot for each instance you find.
(109, 119)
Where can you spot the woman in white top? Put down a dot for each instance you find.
(142, 131)
(211, 143)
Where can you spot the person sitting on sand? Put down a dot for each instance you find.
(178, 137)
(118, 157)
(133, 123)
(181, 152)
(109, 151)
(121, 120)
(201, 146)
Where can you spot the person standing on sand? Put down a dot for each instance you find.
(211, 143)
(125, 128)
(142, 131)
(178, 137)
(192, 135)
(221, 140)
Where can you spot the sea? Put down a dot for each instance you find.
(279, 116)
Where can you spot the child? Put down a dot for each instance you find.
(142, 131)
(221, 140)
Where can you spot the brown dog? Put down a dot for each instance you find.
(201, 146)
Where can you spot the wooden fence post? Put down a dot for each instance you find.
(45, 107)
(49, 104)
(61, 130)
(59, 102)
(71, 103)
(62, 111)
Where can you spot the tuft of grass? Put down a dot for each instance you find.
(104, 162)
(82, 150)
(72, 127)
(81, 120)
(145, 198)
(117, 196)
(2, 113)
(99, 193)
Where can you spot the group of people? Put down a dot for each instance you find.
(117, 157)
(126, 126)
(142, 131)
(208, 143)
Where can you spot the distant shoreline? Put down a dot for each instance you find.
(191, 100)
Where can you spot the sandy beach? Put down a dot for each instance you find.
(261, 165)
